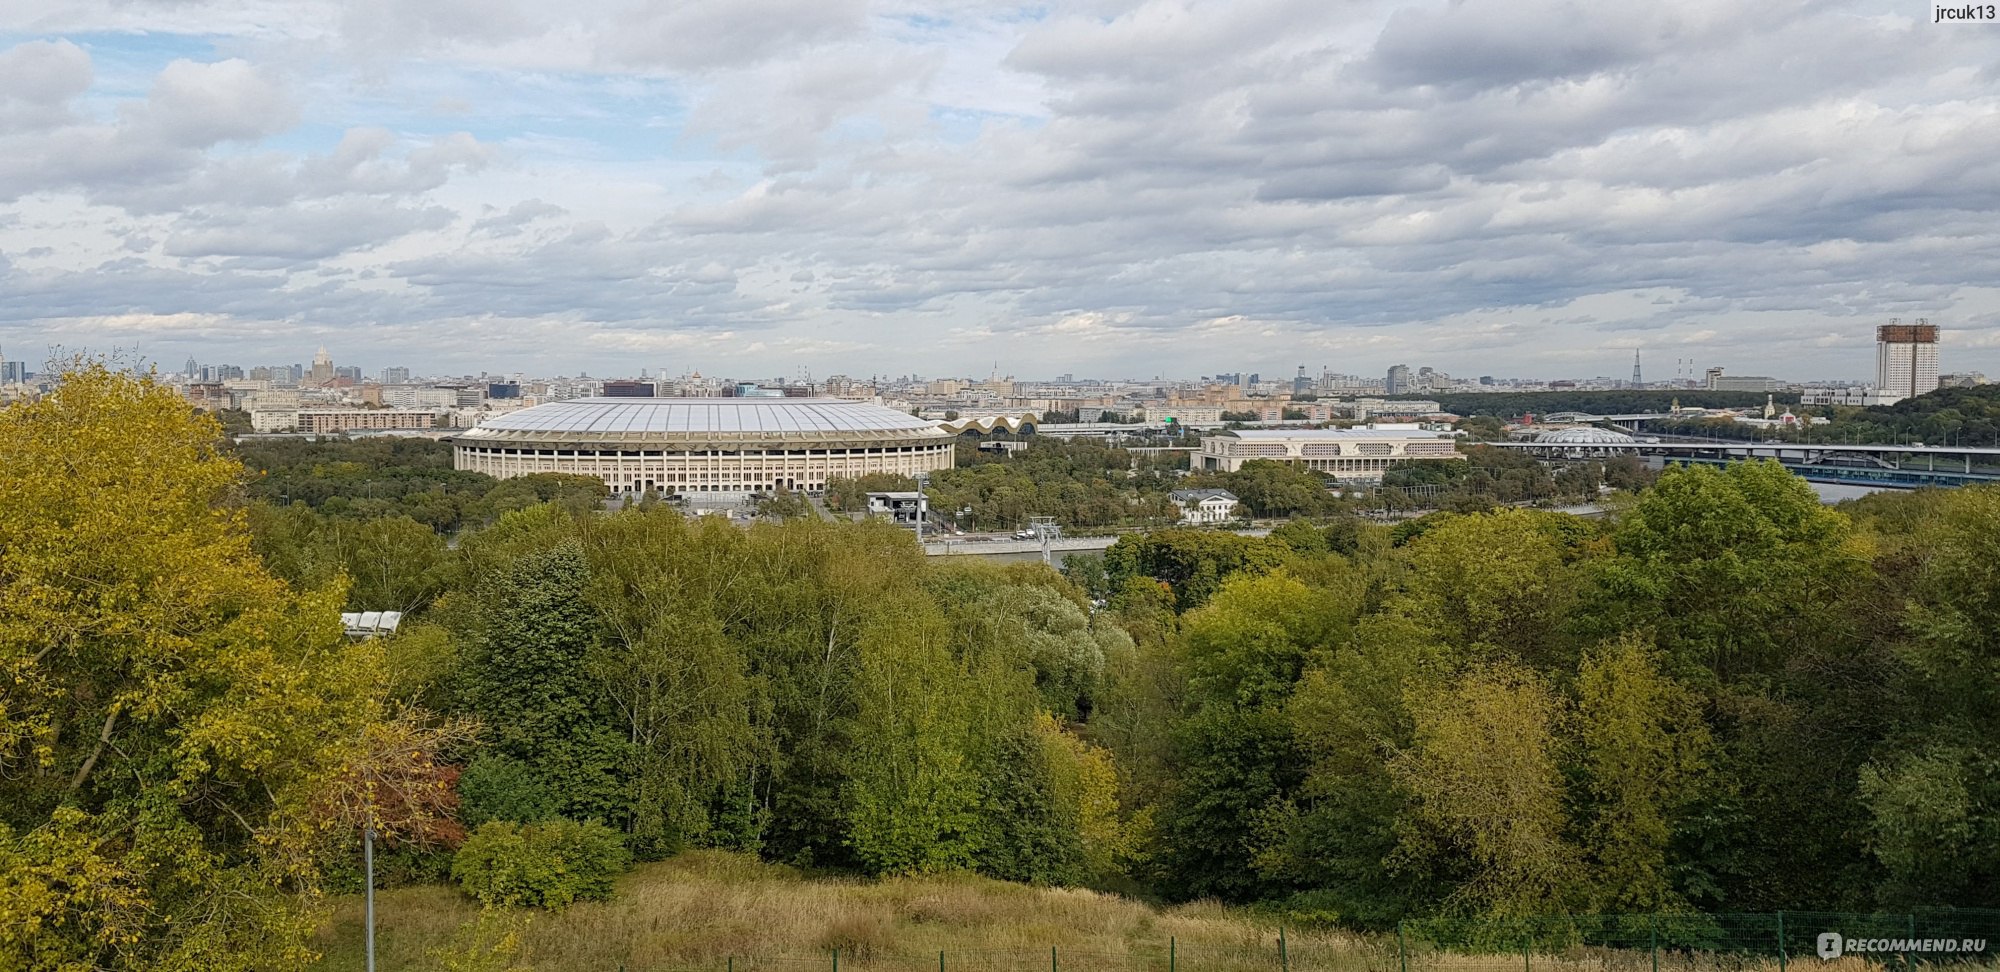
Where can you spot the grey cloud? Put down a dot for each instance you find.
(37, 81)
(1170, 42)
(300, 233)
(1482, 43)
(705, 34)
(1341, 182)
(518, 215)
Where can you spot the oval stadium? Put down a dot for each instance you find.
(705, 445)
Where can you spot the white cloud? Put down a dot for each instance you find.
(197, 105)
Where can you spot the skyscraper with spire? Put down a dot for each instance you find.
(322, 369)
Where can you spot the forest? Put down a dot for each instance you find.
(1945, 417)
(1725, 698)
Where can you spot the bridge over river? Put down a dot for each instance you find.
(1893, 466)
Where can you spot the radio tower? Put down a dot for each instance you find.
(1635, 369)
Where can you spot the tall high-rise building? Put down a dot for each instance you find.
(1398, 382)
(1906, 358)
(322, 369)
(395, 376)
(13, 372)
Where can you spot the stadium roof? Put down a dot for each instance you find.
(1586, 435)
(796, 416)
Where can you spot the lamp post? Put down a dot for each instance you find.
(368, 866)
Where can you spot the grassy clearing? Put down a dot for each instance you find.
(700, 909)
(709, 911)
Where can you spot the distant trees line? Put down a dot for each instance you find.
(1514, 405)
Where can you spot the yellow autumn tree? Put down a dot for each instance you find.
(169, 711)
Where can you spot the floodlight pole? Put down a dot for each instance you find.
(923, 480)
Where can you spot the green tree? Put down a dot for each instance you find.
(526, 674)
(1933, 792)
(1736, 569)
(678, 684)
(1248, 645)
(911, 801)
(1192, 563)
(169, 711)
(1270, 488)
(1495, 584)
(1350, 718)
(1485, 785)
(1238, 765)
(1643, 749)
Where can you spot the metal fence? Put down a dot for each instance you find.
(1700, 943)
(1772, 942)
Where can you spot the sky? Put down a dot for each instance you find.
(1115, 188)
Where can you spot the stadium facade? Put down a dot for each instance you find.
(705, 445)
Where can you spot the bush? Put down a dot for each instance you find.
(498, 787)
(549, 864)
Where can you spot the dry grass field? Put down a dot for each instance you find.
(717, 911)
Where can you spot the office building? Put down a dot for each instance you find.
(329, 420)
(1398, 382)
(628, 388)
(1906, 358)
(1717, 381)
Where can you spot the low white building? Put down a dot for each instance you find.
(274, 418)
(902, 508)
(1348, 454)
(1204, 505)
(1852, 395)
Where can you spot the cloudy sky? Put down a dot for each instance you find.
(1106, 187)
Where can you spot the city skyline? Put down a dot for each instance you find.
(1101, 188)
(1672, 374)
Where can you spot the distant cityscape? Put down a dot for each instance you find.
(328, 397)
